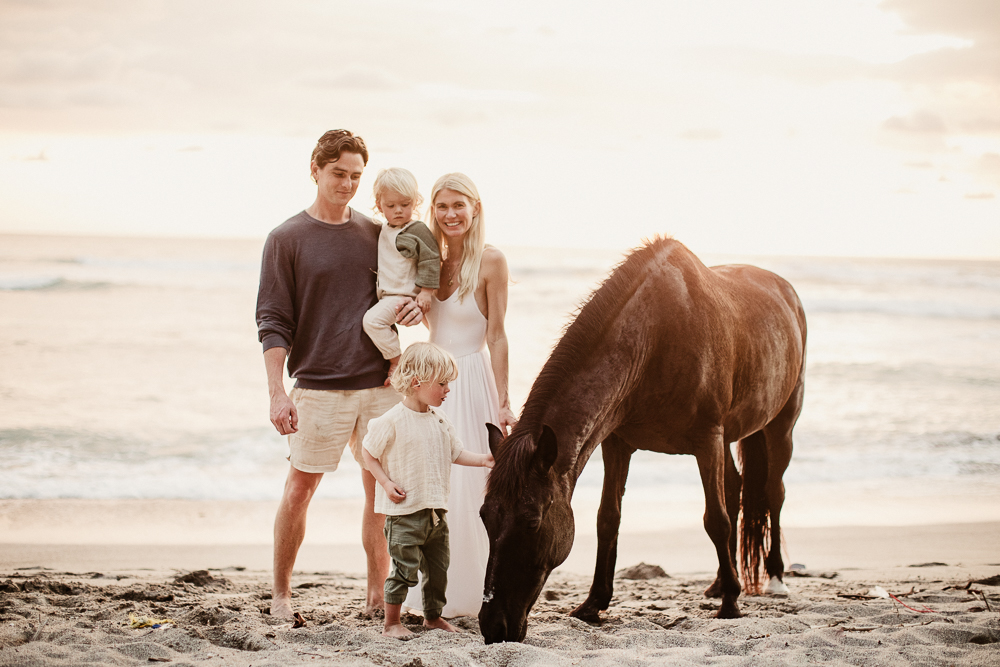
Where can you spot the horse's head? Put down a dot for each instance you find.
(529, 520)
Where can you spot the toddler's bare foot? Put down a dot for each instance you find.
(396, 630)
(281, 607)
(440, 624)
(392, 369)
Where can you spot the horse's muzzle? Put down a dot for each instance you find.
(496, 628)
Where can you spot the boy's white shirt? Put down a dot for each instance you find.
(416, 451)
(397, 275)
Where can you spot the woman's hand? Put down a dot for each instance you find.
(507, 420)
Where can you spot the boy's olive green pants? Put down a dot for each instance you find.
(418, 542)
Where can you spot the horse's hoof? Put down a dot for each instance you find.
(715, 590)
(587, 614)
(729, 610)
(776, 587)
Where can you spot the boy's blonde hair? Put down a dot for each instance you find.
(475, 239)
(398, 180)
(425, 362)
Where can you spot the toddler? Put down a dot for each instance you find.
(409, 264)
(410, 450)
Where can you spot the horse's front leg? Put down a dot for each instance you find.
(712, 466)
(616, 459)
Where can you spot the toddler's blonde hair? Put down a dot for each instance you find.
(425, 362)
(398, 180)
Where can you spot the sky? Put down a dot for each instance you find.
(774, 127)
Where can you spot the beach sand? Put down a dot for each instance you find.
(72, 573)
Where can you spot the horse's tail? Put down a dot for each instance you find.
(755, 526)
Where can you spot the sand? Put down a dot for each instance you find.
(70, 604)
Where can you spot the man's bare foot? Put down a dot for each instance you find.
(440, 624)
(281, 607)
(373, 612)
(374, 608)
(396, 630)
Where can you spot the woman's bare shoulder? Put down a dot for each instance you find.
(494, 260)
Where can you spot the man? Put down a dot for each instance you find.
(317, 280)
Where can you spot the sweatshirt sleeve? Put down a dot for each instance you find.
(417, 242)
(276, 297)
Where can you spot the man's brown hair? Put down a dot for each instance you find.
(333, 143)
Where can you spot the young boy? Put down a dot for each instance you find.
(410, 450)
(409, 263)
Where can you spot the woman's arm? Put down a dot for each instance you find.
(495, 277)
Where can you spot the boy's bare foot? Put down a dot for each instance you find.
(281, 607)
(392, 369)
(440, 624)
(396, 630)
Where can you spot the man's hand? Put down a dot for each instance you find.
(284, 416)
(395, 492)
(408, 313)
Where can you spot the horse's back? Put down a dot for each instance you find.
(731, 342)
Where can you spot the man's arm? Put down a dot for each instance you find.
(283, 414)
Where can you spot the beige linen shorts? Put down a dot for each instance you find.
(331, 419)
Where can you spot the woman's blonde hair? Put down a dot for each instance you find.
(425, 362)
(475, 238)
(398, 180)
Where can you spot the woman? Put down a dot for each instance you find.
(466, 318)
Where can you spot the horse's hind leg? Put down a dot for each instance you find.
(779, 452)
(616, 459)
(712, 466)
(734, 483)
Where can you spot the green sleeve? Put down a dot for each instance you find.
(417, 242)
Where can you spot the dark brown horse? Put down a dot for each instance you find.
(667, 356)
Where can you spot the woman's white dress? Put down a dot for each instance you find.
(460, 328)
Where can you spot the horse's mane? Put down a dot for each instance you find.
(581, 337)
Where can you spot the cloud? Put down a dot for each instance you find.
(983, 125)
(701, 134)
(353, 78)
(960, 86)
(977, 20)
(920, 122)
(989, 163)
(980, 195)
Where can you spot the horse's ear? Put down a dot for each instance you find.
(546, 449)
(495, 438)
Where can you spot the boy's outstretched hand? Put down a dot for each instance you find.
(467, 458)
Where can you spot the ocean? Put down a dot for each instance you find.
(130, 368)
